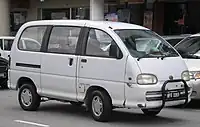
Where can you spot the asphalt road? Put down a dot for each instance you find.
(57, 114)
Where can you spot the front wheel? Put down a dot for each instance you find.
(28, 98)
(151, 112)
(101, 106)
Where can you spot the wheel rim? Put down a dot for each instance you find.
(26, 97)
(97, 106)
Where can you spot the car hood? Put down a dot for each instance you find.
(193, 64)
(163, 69)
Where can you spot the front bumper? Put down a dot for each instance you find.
(162, 94)
(170, 95)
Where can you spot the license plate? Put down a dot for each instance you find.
(173, 95)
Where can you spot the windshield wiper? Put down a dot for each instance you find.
(167, 55)
(145, 56)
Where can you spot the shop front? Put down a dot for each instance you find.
(130, 11)
(174, 17)
(21, 11)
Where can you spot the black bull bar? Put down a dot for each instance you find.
(164, 91)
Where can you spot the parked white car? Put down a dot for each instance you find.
(86, 69)
(7, 41)
(5, 46)
(189, 48)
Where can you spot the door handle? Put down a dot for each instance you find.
(70, 61)
(83, 60)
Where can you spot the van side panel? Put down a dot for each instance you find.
(103, 72)
(25, 61)
(29, 67)
(94, 70)
(58, 77)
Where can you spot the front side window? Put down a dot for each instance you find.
(63, 40)
(31, 38)
(145, 43)
(100, 44)
(189, 47)
(8, 44)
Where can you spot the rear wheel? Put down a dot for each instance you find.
(28, 98)
(101, 106)
(151, 112)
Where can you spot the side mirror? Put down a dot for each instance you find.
(115, 52)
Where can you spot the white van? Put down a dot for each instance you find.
(97, 63)
(189, 49)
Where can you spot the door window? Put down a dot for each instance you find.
(101, 44)
(31, 39)
(8, 44)
(63, 40)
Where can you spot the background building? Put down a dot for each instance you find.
(162, 16)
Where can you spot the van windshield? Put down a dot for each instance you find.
(145, 43)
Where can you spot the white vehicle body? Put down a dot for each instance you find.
(5, 46)
(72, 76)
(192, 62)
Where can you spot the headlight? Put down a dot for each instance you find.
(146, 79)
(186, 75)
(194, 74)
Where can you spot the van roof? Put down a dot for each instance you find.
(98, 24)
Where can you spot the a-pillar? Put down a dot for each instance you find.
(4, 18)
(97, 10)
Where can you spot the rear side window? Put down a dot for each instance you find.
(8, 44)
(31, 38)
(63, 40)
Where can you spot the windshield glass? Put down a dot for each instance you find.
(173, 42)
(143, 42)
(190, 45)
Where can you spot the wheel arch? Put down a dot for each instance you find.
(93, 88)
(23, 80)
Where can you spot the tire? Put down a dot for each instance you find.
(105, 108)
(151, 112)
(35, 98)
(76, 103)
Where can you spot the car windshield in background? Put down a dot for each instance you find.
(189, 46)
(145, 43)
(174, 41)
